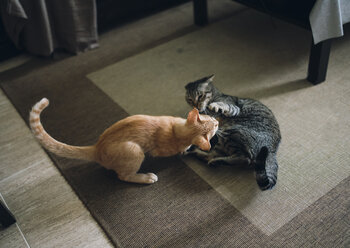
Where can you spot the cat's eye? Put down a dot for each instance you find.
(200, 96)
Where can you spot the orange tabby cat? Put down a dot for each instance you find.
(122, 146)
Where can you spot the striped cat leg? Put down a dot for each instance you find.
(126, 159)
(229, 110)
(230, 160)
(202, 155)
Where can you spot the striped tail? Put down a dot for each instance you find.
(265, 173)
(54, 146)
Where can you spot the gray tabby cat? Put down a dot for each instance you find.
(248, 132)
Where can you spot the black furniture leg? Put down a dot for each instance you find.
(200, 9)
(318, 61)
(6, 217)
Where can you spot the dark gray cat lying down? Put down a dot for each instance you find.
(248, 132)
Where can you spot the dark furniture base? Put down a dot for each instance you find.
(111, 13)
(6, 217)
(318, 61)
(319, 53)
(200, 9)
(7, 48)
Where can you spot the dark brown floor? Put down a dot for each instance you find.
(181, 210)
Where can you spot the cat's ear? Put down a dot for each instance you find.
(208, 81)
(203, 143)
(210, 78)
(193, 116)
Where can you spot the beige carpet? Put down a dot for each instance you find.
(252, 57)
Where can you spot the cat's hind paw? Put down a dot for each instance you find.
(151, 178)
(148, 178)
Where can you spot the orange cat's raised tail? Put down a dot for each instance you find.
(54, 146)
(122, 146)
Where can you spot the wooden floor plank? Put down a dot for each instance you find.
(44, 205)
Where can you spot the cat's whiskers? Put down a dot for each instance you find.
(186, 114)
(221, 133)
(205, 112)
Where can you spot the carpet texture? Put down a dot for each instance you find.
(313, 156)
(191, 205)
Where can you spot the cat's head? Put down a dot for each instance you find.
(203, 129)
(200, 92)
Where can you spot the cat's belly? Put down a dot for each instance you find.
(163, 152)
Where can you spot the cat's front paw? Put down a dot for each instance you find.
(189, 150)
(219, 107)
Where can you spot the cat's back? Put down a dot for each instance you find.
(139, 128)
(133, 124)
(252, 107)
(256, 116)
